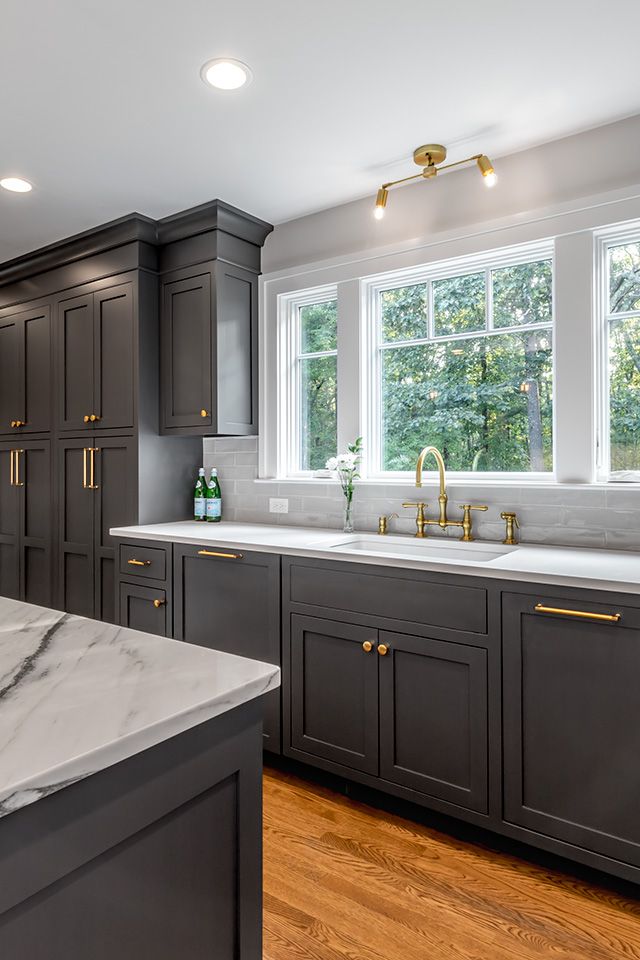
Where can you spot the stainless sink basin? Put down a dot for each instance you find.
(431, 548)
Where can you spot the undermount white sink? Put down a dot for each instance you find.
(428, 548)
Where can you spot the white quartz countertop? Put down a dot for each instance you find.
(77, 696)
(569, 566)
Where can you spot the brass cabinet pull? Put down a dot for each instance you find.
(383, 649)
(16, 469)
(367, 646)
(139, 563)
(84, 468)
(204, 413)
(92, 451)
(12, 469)
(158, 603)
(583, 614)
(215, 553)
(86, 418)
(18, 423)
(94, 418)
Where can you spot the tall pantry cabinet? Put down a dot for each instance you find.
(82, 445)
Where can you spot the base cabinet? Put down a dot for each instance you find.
(572, 724)
(144, 608)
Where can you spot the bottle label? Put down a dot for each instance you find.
(199, 507)
(214, 507)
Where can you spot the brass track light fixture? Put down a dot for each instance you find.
(431, 157)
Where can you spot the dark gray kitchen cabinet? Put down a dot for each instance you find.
(96, 356)
(229, 600)
(209, 350)
(97, 486)
(334, 692)
(144, 608)
(25, 521)
(25, 371)
(434, 718)
(572, 722)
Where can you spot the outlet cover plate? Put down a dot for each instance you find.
(278, 505)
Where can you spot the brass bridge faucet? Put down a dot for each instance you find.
(443, 520)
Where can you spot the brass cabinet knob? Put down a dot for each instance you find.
(18, 423)
(86, 418)
(204, 413)
(94, 418)
(367, 646)
(158, 603)
(383, 649)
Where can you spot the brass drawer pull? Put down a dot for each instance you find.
(215, 553)
(383, 649)
(16, 469)
(92, 463)
(12, 469)
(158, 603)
(139, 563)
(607, 617)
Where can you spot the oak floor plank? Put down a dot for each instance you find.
(344, 881)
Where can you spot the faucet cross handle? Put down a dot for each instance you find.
(420, 520)
(466, 519)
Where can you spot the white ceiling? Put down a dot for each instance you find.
(103, 109)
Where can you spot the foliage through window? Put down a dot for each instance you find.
(316, 363)
(465, 363)
(623, 323)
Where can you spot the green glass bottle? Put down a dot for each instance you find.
(199, 497)
(214, 498)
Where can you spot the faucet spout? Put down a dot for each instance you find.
(442, 499)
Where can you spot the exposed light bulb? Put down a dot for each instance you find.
(378, 213)
(490, 179)
(486, 169)
(16, 184)
(381, 202)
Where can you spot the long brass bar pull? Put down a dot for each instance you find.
(139, 563)
(581, 614)
(12, 469)
(92, 465)
(84, 468)
(215, 553)
(17, 482)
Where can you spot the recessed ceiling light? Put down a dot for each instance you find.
(16, 185)
(226, 74)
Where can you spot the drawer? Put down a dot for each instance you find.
(138, 561)
(392, 595)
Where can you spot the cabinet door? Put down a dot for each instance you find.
(433, 718)
(143, 608)
(116, 479)
(571, 714)
(113, 357)
(231, 602)
(76, 528)
(9, 524)
(334, 692)
(236, 350)
(11, 403)
(35, 369)
(75, 361)
(187, 316)
(35, 522)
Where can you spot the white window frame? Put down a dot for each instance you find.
(373, 346)
(604, 241)
(289, 394)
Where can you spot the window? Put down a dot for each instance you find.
(622, 352)
(463, 360)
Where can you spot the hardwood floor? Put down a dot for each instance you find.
(343, 880)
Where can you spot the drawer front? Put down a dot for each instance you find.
(412, 599)
(148, 562)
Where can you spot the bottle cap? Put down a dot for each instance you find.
(201, 472)
(214, 472)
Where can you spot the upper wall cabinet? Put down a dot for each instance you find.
(96, 337)
(25, 363)
(209, 328)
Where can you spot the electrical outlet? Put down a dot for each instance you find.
(277, 505)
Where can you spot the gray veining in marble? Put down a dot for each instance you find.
(77, 696)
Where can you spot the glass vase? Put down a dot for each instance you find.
(347, 526)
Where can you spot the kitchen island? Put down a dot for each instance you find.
(130, 793)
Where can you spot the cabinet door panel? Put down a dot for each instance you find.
(334, 692)
(115, 505)
(76, 513)
(234, 606)
(75, 358)
(36, 370)
(572, 725)
(433, 718)
(186, 352)
(114, 357)
(35, 514)
(236, 332)
(138, 611)
(9, 526)
(11, 402)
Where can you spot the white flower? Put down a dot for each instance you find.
(346, 461)
(332, 463)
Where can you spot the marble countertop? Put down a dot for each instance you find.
(77, 696)
(566, 566)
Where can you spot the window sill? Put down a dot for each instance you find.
(460, 480)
